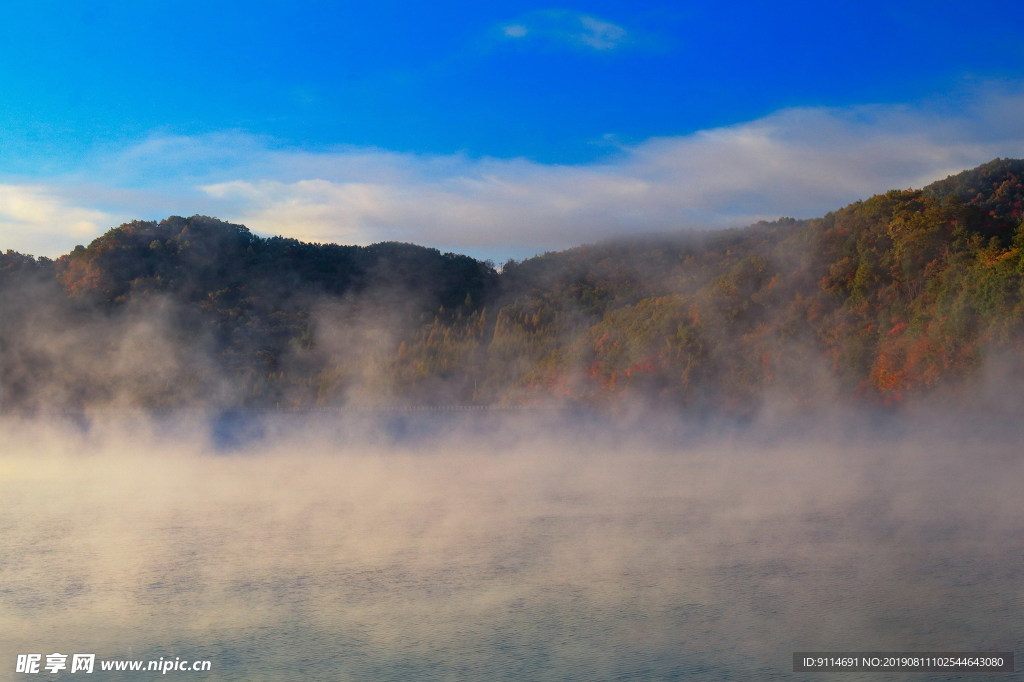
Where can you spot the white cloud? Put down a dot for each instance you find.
(563, 27)
(39, 221)
(601, 35)
(515, 30)
(799, 162)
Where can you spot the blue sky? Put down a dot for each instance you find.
(499, 129)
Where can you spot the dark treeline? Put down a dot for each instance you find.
(908, 294)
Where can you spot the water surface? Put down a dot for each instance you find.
(304, 547)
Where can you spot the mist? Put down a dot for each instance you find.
(680, 457)
(505, 544)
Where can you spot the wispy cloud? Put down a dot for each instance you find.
(601, 35)
(566, 28)
(801, 162)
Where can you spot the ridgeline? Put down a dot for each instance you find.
(904, 296)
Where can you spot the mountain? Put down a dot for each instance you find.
(896, 299)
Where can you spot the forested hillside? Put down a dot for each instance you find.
(892, 299)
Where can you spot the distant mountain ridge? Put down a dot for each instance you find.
(893, 299)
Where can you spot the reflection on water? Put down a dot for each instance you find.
(315, 551)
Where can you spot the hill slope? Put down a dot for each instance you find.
(890, 299)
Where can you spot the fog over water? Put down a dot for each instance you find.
(516, 545)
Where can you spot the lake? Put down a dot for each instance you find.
(322, 546)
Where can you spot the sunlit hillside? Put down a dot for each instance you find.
(902, 296)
